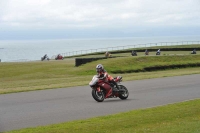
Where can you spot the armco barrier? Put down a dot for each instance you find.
(126, 47)
(80, 61)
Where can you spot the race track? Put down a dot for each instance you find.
(31, 109)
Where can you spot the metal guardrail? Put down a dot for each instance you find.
(82, 52)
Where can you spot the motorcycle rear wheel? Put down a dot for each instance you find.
(125, 94)
(98, 96)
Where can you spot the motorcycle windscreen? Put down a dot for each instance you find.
(94, 81)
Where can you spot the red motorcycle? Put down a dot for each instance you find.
(101, 89)
(59, 57)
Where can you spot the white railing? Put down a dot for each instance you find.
(82, 52)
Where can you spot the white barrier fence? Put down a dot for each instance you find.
(81, 52)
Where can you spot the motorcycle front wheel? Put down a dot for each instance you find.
(98, 96)
(125, 93)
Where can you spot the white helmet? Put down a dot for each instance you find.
(99, 68)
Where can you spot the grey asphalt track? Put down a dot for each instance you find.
(31, 109)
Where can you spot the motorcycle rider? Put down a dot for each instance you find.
(102, 73)
(193, 51)
(146, 52)
(158, 52)
(45, 56)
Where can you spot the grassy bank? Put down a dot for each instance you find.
(142, 64)
(175, 118)
(27, 76)
(180, 117)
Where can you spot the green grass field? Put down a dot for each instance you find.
(28, 76)
(181, 117)
(173, 118)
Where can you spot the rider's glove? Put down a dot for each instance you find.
(102, 76)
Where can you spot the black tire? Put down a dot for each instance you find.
(125, 94)
(98, 96)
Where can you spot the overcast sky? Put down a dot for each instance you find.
(63, 19)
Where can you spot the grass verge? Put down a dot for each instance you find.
(180, 117)
(28, 76)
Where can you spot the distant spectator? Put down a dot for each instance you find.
(146, 52)
(107, 54)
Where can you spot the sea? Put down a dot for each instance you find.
(33, 50)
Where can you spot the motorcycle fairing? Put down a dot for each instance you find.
(95, 79)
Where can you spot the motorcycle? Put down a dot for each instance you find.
(102, 89)
(134, 53)
(157, 53)
(43, 58)
(59, 57)
(193, 52)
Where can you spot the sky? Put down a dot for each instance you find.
(65, 19)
